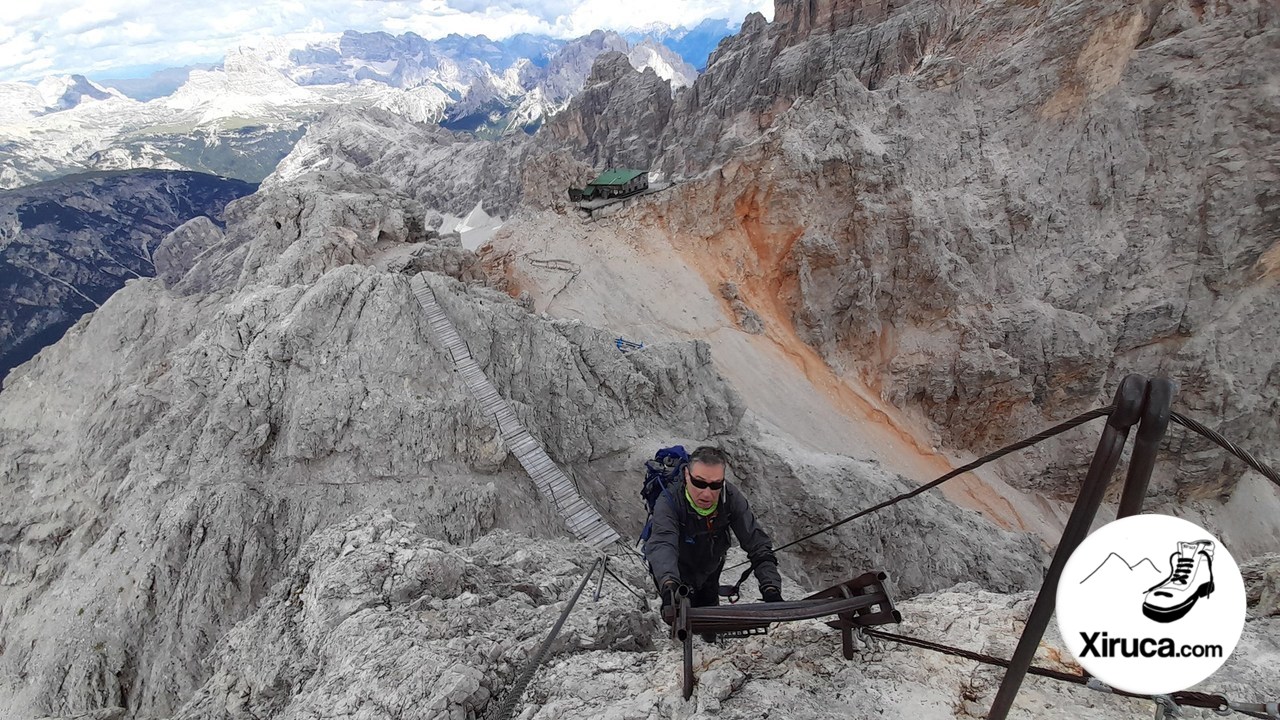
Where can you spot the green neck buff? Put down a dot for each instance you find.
(695, 507)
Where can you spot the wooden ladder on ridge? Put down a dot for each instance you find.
(580, 517)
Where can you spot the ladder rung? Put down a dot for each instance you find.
(562, 485)
(601, 535)
(579, 518)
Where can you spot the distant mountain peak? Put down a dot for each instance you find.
(63, 92)
(273, 86)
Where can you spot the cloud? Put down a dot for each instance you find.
(95, 36)
(90, 18)
(549, 10)
(23, 54)
(588, 15)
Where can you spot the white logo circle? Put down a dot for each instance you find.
(1151, 604)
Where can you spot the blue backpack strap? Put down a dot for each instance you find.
(648, 525)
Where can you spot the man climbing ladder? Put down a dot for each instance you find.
(690, 535)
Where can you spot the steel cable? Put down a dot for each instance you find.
(989, 457)
(507, 706)
(1186, 698)
(624, 584)
(1253, 462)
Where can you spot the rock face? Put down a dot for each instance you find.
(255, 487)
(66, 246)
(978, 210)
(1262, 585)
(567, 70)
(166, 461)
(374, 619)
(664, 61)
(181, 249)
(419, 624)
(429, 164)
(617, 118)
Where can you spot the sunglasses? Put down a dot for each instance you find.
(705, 485)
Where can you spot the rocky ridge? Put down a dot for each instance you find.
(240, 118)
(892, 189)
(997, 210)
(363, 623)
(896, 188)
(220, 446)
(1005, 298)
(277, 377)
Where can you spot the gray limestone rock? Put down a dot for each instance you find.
(1001, 209)
(376, 620)
(747, 318)
(427, 163)
(567, 70)
(617, 118)
(181, 248)
(165, 461)
(1262, 585)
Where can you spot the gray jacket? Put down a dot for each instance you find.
(691, 549)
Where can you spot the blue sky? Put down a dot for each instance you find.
(102, 37)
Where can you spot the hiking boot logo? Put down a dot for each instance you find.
(1190, 578)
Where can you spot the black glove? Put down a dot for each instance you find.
(670, 589)
(771, 594)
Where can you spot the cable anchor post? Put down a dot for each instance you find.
(1126, 412)
(1166, 708)
(604, 566)
(1096, 684)
(872, 647)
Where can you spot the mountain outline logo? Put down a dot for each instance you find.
(1130, 566)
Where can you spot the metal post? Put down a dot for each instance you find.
(683, 630)
(1155, 420)
(1126, 411)
(604, 566)
(846, 627)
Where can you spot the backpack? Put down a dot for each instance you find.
(661, 473)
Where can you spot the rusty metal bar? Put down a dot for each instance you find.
(680, 614)
(1155, 420)
(682, 629)
(846, 628)
(1126, 411)
(862, 601)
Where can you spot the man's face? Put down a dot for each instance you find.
(699, 473)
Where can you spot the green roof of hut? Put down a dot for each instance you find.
(621, 176)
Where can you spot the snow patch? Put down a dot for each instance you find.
(475, 229)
